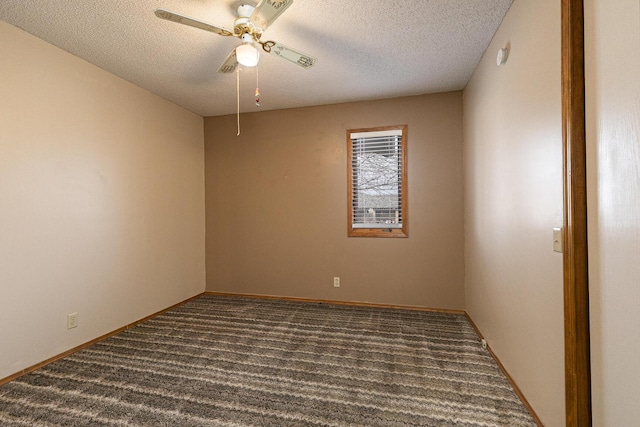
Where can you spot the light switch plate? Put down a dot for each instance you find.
(557, 240)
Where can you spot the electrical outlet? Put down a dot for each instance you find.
(336, 282)
(72, 320)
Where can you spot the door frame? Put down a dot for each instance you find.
(575, 257)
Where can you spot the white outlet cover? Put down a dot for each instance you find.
(72, 320)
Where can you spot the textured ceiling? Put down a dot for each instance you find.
(365, 49)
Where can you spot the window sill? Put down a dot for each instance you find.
(377, 232)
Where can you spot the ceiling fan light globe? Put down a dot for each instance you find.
(247, 55)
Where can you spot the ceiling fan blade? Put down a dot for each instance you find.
(268, 11)
(230, 64)
(301, 59)
(180, 19)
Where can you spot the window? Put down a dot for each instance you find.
(377, 182)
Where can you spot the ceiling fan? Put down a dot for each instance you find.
(248, 27)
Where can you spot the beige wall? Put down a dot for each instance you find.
(513, 199)
(277, 205)
(101, 201)
(612, 41)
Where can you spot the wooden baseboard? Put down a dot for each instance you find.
(403, 307)
(124, 328)
(337, 302)
(274, 297)
(506, 374)
(89, 343)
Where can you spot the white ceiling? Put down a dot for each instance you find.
(365, 49)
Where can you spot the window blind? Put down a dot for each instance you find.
(376, 164)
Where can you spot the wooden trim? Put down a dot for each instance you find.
(378, 232)
(294, 299)
(334, 302)
(576, 280)
(519, 393)
(130, 325)
(89, 343)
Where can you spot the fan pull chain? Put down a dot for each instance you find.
(257, 88)
(238, 99)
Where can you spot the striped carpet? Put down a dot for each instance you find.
(225, 361)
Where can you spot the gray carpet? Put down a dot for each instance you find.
(224, 361)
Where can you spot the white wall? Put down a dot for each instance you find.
(612, 45)
(513, 199)
(101, 201)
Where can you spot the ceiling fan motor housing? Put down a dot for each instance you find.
(242, 24)
(243, 27)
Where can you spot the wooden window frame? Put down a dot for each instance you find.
(381, 231)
